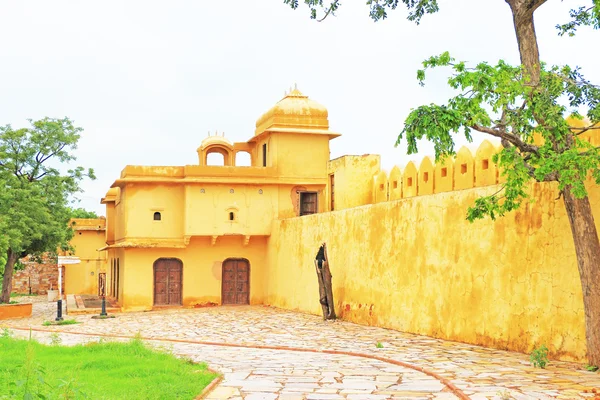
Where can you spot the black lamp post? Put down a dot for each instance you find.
(59, 302)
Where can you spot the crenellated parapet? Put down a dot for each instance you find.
(466, 170)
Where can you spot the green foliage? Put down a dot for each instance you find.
(539, 357)
(63, 322)
(581, 16)
(379, 345)
(498, 100)
(82, 213)
(34, 195)
(55, 339)
(591, 368)
(96, 371)
(378, 9)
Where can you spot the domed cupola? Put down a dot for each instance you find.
(216, 144)
(295, 113)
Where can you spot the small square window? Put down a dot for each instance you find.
(157, 216)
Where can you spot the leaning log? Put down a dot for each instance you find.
(325, 286)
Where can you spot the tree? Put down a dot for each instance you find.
(515, 104)
(82, 213)
(34, 199)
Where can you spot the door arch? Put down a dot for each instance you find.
(235, 282)
(168, 274)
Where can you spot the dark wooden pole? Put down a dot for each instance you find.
(325, 287)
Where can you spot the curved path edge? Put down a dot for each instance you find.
(453, 388)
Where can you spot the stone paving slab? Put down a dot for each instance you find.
(276, 374)
(479, 372)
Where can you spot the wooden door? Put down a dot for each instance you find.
(167, 282)
(236, 282)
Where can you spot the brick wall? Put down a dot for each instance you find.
(39, 276)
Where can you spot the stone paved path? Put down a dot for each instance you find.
(258, 373)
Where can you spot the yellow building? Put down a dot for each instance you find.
(402, 254)
(197, 234)
(87, 276)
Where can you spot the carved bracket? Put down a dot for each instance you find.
(213, 240)
(246, 240)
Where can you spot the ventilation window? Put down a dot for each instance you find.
(395, 184)
(485, 164)
(444, 172)
(425, 177)
(463, 168)
(264, 154)
(157, 216)
(409, 182)
(231, 216)
(381, 187)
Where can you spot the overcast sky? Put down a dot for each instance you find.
(148, 79)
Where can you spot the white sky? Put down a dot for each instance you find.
(148, 79)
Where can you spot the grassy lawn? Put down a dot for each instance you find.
(96, 371)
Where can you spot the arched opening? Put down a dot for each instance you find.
(235, 287)
(216, 159)
(243, 159)
(168, 278)
(157, 216)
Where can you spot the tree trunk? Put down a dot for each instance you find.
(587, 248)
(8, 275)
(522, 11)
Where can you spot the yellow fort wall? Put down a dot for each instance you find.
(418, 266)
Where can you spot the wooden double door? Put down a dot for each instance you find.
(167, 282)
(236, 282)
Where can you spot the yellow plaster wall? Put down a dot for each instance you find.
(380, 189)
(395, 183)
(426, 177)
(418, 266)
(207, 208)
(82, 278)
(350, 174)
(301, 155)
(143, 200)
(201, 271)
(289, 198)
(409, 180)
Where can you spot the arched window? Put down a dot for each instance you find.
(215, 159)
(231, 216)
(157, 216)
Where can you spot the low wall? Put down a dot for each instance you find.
(418, 266)
(36, 278)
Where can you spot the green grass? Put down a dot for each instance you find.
(63, 322)
(100, 371)
(23, 295)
